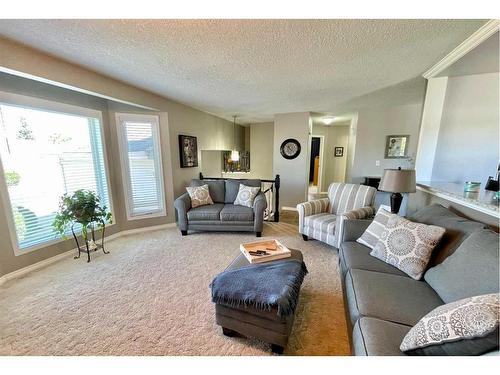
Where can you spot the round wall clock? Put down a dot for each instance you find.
(290, 148)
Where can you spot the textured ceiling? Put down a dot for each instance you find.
(253, 68)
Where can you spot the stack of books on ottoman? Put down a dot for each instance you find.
(264, 251)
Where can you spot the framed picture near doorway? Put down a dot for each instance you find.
(339, 152)
(188, 150)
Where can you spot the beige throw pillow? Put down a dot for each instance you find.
(466, 327)
(407, 245)
(246, 195)
(200, 195)
(372, 234)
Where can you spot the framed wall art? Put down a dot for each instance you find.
(396, 146)
(188, 151)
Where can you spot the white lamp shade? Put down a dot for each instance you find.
(398, 181)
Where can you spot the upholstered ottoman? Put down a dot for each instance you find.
(248, 321)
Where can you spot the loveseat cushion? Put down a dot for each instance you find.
(373, 336)
(216, 188)
(355, 255)
(233, 186)
(202, 213)
(232, 212)
(470, 271)
(457, 229)
(395, 298)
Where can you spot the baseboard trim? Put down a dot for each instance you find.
(286, 208)
(44, 263)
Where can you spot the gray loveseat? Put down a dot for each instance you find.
(382, 303)
(223, 215)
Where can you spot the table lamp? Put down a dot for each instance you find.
(397, 181)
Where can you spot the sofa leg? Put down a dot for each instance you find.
(228, 332)
(277, 349)
(258, 234)
(305, 238)
(184, 232)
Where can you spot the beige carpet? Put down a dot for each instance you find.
(150, 296)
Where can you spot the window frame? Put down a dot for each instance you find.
(154, 119)
(56, 107)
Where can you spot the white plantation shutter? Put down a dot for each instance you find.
(44, 155)
(141, 165)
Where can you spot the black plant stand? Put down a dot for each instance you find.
(86, 249)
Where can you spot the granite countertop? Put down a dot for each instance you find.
(482, 201)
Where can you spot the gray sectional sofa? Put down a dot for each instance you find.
(382, 303)
(223, 215)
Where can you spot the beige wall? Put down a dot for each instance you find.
(261, 150)
(373, 125)
(293, 173)
(213, 133)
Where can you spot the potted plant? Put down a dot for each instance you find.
(83, 207)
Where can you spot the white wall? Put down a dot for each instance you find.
(293, 173)
(373, 126)
(261, 150)
(468, 144)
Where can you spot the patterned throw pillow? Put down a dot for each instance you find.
(465, 327)
(199, 195)
(246, 195)
(407, 245)
(372, 234)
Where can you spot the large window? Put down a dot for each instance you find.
(47, 149)
(141, 165)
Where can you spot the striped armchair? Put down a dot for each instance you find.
(323, 219)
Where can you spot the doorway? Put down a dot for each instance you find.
(315, 164)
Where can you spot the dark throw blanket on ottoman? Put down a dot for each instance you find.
(262, 286)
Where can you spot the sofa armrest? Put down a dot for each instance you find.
(182, 205)
(259, 206)
(356, 214)
(353, 229)
(316, 206)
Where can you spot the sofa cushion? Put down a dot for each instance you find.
(215, 187)
(457, 229)
(355, 255)
(246, 195)
(378, 337)
(398, 299)
(200, 195)
(470, 271)
(233, 186)
(232, 212)
(465, 327)
(210, 212)
(407, 245)
(372, 234)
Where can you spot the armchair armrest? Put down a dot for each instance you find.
(182, 205)
(259, 205)
(316, 206)
(358, 224)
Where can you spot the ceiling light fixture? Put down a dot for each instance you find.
(328, 120)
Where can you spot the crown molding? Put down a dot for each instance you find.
(487, 30)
